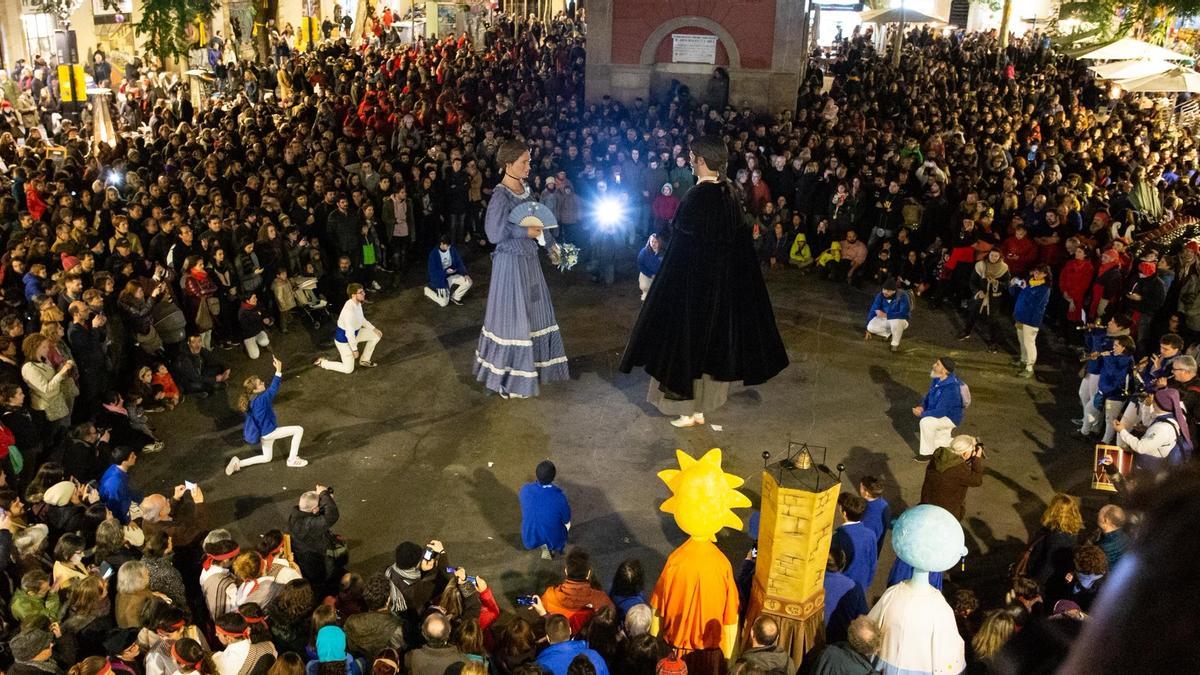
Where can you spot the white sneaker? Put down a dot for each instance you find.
(297, 462)
(233, 466)
(375, 286)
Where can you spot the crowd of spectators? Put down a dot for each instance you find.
(128, 267)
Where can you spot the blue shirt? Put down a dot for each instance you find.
(845, 601)
(648, 261)
(878, 518)
(1030, 305)
(895, 307)
(557, 658)
(438, 277)
(260, 418)
(116, 493)
(944, 399)
(1096, 340)
(858, 542)
(544, 516)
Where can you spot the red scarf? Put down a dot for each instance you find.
(199, 273)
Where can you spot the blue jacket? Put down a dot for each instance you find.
(845, 601)
(1150, 373)
(944, 399)
(260, 418)
(1030, 305)
(648, 261)
(557, 658)
(33, 286)
(878, 518)
(1115, 376)
(896, 307)
(544, 516)
(1096, 340)
(117, 494)
(437, 274)
(858, 542)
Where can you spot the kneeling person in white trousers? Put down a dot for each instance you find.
(941, 410)
(353, 329)
(447, 271)
(260, 426)
(889, 313)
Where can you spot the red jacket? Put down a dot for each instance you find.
(34, 202)
(1019, 254)
(1074, 281)
(664, 207)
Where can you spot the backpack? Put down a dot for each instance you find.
(965, 392)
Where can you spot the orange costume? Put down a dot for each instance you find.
(695, 600)
(696, 596)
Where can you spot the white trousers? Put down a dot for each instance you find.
(1088, 386)
(644, 284)
(1027, 338)
(268, 443)
(441, 296)
(346, 352)
(885, 328)
(253, 343)
(936, 432)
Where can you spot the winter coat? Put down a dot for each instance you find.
(1074, 281)
(947, 478)
(896, 307)
(260, 416)
(1029, 307)
(944, 399)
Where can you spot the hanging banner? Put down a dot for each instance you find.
(693, 48)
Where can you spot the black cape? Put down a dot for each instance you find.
(708, 312)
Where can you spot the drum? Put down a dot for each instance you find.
(1110, 454)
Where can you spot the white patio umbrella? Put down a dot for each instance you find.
(1172, 81)
(1129, 48)
(1128, 70)
(897, 15)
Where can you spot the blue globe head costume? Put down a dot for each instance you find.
(929, 538)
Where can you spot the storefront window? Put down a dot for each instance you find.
(39, 34)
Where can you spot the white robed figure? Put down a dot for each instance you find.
(919, 633)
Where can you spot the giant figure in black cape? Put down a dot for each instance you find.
(708, 312)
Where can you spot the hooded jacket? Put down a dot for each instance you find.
(947, 479)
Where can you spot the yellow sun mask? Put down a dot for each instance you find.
(702, 495)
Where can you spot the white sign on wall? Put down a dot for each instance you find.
(693, 48)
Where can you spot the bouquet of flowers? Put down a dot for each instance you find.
(568, 256)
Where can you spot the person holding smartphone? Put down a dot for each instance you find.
(417, 576)
(261, 427)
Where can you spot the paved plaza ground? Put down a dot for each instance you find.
(416, 449)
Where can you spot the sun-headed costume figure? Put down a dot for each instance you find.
(695, 600)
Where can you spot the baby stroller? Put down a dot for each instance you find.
(313, 308)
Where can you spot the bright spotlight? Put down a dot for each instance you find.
(609, 213)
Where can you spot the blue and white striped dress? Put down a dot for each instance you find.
(520, 345)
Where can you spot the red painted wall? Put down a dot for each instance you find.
(663, 55)
(751, 22)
